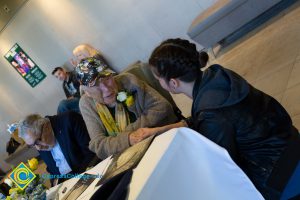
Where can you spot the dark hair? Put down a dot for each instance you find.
(56, 69)
(178, 58)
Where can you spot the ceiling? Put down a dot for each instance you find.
(8, 8)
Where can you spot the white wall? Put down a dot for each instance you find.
(48, 30)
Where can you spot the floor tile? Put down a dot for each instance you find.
(291, 100)
(296, 122)
(294, 78)
(276, 82)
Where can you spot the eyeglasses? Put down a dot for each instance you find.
(36, 143)
(99, 79)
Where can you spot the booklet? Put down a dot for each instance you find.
(79, 187)
(126, 159)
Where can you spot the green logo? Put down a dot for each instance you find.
(22, 176)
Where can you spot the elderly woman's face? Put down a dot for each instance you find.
(81, 54)
(103, 90)
(44, 141)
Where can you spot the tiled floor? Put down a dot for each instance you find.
(269, 58)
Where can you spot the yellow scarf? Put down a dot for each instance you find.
(112, 126)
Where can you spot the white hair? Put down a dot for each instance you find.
(91, 50)
(32, 122)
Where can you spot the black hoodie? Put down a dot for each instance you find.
(251, 125)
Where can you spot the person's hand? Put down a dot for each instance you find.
(141, 134)
(71, 97)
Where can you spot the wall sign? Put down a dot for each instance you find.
(24, 65)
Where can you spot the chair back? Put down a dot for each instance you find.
(143, 72)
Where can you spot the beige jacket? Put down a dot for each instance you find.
(150, 108)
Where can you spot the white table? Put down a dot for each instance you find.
(181, 164)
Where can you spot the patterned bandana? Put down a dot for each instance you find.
(90, 68)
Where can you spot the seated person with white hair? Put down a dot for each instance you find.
(114, 124)
(62, 141)
(83, 51)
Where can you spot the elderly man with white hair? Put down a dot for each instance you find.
(62, 141)
(115, 107)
